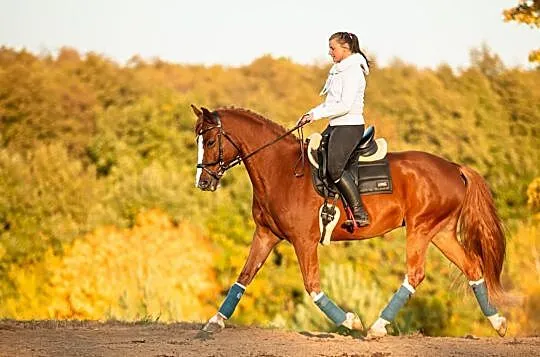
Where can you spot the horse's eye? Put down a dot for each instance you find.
(210, 143)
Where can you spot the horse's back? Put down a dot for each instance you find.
(420, 157)
(424, 179)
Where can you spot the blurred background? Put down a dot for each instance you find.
(99, 217)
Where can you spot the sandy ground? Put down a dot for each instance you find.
(57, 338)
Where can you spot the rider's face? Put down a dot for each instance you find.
(338, 51)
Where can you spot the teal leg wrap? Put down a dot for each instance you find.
(398, 300)
(334, 312)
(481, 293)
(232, 299)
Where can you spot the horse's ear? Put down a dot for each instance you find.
(196, 110)
(206, 112)
(207, 115)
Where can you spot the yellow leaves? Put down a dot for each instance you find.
(527, 12)
(533, 194)
(156, 269)
(166, 270)
(521, 17)
(526, 274)
(534, 56)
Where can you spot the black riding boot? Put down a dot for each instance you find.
(348, 189)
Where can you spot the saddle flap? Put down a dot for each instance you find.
(374, 177)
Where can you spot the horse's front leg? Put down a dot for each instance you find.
(263, 243)
(309, 265)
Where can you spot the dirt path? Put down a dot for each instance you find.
(52, 338)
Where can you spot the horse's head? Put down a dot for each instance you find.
(216, 150)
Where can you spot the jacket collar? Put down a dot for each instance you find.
(352, 60)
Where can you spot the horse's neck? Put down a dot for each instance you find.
(274, 162)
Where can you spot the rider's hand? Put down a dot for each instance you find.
(305, 119)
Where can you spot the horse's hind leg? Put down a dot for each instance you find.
(418, 239)
(448, 244)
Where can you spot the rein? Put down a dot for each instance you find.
(224, 166)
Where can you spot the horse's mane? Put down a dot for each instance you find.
(273, 126)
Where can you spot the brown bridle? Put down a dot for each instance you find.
(224, 166)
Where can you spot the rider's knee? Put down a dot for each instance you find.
(334, 173)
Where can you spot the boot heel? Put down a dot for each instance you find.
(362, 223)
(362, 220)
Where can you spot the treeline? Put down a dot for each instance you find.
(89, 148)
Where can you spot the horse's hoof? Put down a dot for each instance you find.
(499, 324)
(212, 327)
(502, 329)
(378, 329)
(353, 322)
(375, 334)
(215, 324)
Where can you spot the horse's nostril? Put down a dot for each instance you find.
(203, 184)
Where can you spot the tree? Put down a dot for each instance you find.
(157, 269)
(526, 12)
(489, 63)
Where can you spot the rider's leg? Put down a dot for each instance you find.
(349, 190)
(343, 141)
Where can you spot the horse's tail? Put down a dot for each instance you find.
(483, 233)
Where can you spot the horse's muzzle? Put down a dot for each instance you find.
(208, 185)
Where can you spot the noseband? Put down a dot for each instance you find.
(222, 165)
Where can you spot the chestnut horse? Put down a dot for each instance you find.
(430, 196)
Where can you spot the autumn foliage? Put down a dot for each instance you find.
(99, 217)
(526, 12)
(155, 270)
